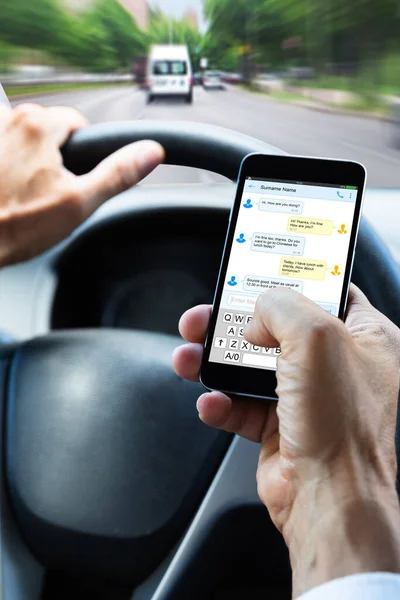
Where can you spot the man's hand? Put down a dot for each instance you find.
(327, 464)
(40, 201)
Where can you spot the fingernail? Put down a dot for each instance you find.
(150, 156)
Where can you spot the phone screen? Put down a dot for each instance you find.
(288, 234)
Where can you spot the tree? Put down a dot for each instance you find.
(31, 24)
(328, 31)
(105, 37)
(254, 28)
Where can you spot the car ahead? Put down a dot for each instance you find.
(197, 78)
(212, 80)
(169, 73)
(232, 78)
(111, 485)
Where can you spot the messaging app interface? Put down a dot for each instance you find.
(288, 234)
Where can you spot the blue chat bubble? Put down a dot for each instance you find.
(284, 206)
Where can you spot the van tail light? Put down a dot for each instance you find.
(191, 80)
(149, 82)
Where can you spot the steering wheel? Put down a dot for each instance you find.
(105, 459)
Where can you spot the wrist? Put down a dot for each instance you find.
(331, 533)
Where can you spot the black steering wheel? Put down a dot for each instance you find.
(105, 459)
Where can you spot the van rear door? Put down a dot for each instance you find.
(170, 77)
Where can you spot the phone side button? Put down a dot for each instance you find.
(257, 360)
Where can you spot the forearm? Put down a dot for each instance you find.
(329, 540)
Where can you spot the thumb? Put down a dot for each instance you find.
(119, 172)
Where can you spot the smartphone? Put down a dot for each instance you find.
(294, 224)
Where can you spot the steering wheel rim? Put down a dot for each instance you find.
(40, 510)
(186, 144)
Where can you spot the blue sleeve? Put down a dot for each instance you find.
(364, 586)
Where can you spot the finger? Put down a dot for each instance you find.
(251, 419)
(119, 172)
(186, 361)
(56, 123)
(283, 315)
(64, 120)
(194, 323)
(363, 319)
(360, 310)
(357, 298)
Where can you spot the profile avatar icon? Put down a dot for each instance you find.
(241, 239)
(342, 229)
(232, 282)
(248, 204)
(336, 270)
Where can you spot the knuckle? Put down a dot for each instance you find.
(123, 176)
(29, 118)
(323, 329)
(78, 115)
(68, 114)
(380, 330)
(72, 205)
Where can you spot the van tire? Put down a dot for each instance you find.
(189, 97)
(149, 99)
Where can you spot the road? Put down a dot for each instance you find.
(295, 129)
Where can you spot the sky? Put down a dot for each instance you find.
(176, 8)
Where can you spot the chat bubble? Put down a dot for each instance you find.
(284, 206)
(278, 244)
(306, 268)
(255, 283)
(309, 225)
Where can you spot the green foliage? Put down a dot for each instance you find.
(329, 32)
(33, 23)
(221, 53)
(390, 72)
(33, 90)
(105, 37)
(358, 40)
(7, 54)
(258, 25)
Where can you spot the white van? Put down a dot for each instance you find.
(169, 73)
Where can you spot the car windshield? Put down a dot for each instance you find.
(169, 67)
(309, 78)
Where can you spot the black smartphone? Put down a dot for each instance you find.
(294, 224)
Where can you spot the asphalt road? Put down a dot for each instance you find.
(295, 129)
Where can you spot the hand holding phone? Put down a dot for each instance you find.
(293, 225)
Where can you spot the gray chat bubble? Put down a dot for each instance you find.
(278, 243)
(255, 283)
(285, 206)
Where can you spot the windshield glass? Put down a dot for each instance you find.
(169, 67)
(309, 78)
